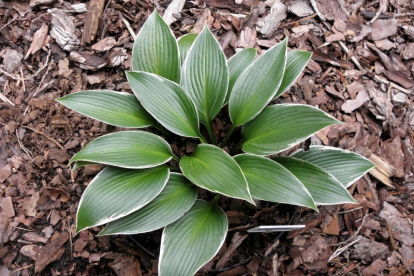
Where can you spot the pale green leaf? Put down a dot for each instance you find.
(114, 108)
(212, 168)
(282, 126)
(126, 149)
(167, 102)
(270, 181)
(193, 240)
(205, 75)
(324, 188)
(237, 64)
(117, 192)
(172, 203)
(346, 166)
(295, 63)
(156, 50)
(184, 44)
(257, 85)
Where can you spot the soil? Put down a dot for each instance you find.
(361, 73)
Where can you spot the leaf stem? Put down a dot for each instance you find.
(223, 144)
(238, 146)
(210, 132)
(162, 130)
(215, 199)
(176, 158)
(202, 139)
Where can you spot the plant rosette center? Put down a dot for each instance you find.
(177, 85)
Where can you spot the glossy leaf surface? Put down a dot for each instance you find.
(323, 187)
(271, 181)
(184, 44)
(117, 192)
(237, 64)
(172, 203)
(193, 240)
(213, 169)
(114, 108)
(205, 75)
(126, 149)
(346, 166)
(167, 102)
(156, 50)
(295, 63)
(257, 85)
(282, 126)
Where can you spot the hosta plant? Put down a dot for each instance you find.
(177, 85)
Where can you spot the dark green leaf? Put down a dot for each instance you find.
(114, 108)
(172, 203)
(347, 167)
(237, 64)
(193, 240)
(270, 181)
(117, 192)
(282, 126)
(205, 75)
(156, 50)
(126, 149)
(324, 188)
(257, 85)
(213, 169)
(167, 102)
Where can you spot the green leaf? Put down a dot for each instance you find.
(184, 44)
(172, 203)
(282, 126)
(114, 108)
(257, 85)
(237, 64)
(117, 192)
(212, 168)
(270, 181)
(167, 102)
(346, 166)
(126, 149)
(156, 50)
(295, 63)
(193, 240)
(205, 75)
(324, 188)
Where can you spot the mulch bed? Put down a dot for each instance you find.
(361, 73)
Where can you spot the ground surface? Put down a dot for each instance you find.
(48, 49)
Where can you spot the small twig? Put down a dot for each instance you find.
(342, 249)
(28, 230)
(19, 269)
(38, 132)
(130, 30)
(13, 19)
(382, 8)
(354, 59)
(34, 94)
(8, 187)
(298, 21)
(23, 147)
(351, 210)
(7, 101)
(392, 241)
(70, 238)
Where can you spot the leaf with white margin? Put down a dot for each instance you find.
(346, 166)
(324, 188)
(167, 102)
(295, 63)
(213, 169)
(156, 49)
(126, 149)
(282, 126)
(257, 85)
(237, 64)
(184, 44)
(172, 203)
(114, 108)
(193, 240)
(116, 192)
(205, 75)
(271, 181)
